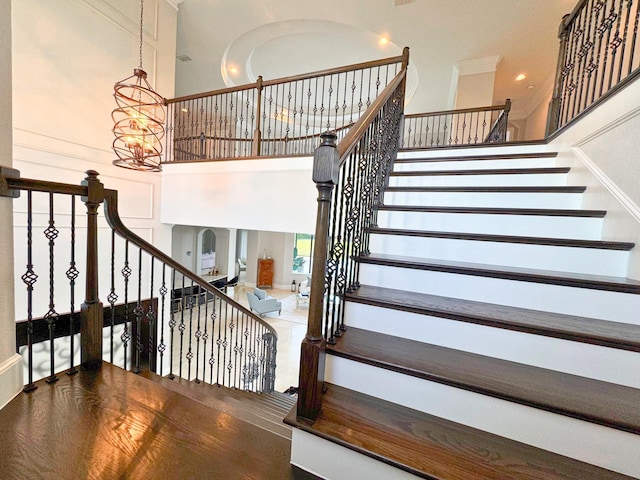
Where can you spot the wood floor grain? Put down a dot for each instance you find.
(434, 448)
(112, 424)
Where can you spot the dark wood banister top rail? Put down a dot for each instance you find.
(210, 93)
(458, 111)
(29, 184)
(114, 221)
(352, 138)
(113, 218)
(335, 70)
(294, 78)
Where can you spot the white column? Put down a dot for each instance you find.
(10, 364)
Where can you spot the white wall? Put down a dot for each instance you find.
(67, 55)
(536, 122)
(606, 144)
(475, 90)
(275, 195)
(10, 363)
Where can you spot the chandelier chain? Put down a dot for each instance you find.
(141, 30)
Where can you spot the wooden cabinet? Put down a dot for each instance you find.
(265, 272)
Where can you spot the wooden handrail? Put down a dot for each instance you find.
(336, 70)
(114, 221)
(293, 78)
(352, 138)
(210, 93)
(489, 108)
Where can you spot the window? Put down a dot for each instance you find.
(302, 253)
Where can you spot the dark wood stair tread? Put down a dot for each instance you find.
(594, 401)
(618, 335)
(253, 408)
(432, 447)
(578, 280)
(514, 156)
(109, 423)
(486, 189)
(549, 212)
(485, 237)
(487, 171)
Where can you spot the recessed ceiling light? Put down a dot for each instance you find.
(234, 70)
(520, 77)
(383, 41)
(531, 87)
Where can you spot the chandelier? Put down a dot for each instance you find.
(138, 121)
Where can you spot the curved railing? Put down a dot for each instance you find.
(274, 117)
(158, 315)
(350, 178)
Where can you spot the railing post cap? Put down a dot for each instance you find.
(328, 139)
(326, 163)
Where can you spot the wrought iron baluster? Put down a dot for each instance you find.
(176, 305)
(583, 53)
(229, 325)
(151, 319)
(205, 338)
(598, 7)
(202, 298)
(161, 345)
(624, 40)
(112, 298)
(635, 37)
(138, 312)
(608, 26)
(212, 357)
(51, 317)
(194, 300)
(29, 278)
(615, 43)
(72, 274)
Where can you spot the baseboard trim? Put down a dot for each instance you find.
(11, 381)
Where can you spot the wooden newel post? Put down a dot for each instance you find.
(311, 383)
(91, 312)
(553, 116)
(257, 133)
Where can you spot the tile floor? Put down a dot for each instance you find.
(291, 326)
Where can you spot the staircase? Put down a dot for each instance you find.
(495, 334)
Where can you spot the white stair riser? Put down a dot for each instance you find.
(586, 228)
(470, 151)
(475, 164)
(311, 452)
(546, 179)
(593, 361)
(485, 199)
(545, 257)
(588, 442)
(583, 302)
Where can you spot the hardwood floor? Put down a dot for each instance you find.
(109, 424)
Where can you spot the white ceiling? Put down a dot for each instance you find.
(276, 38)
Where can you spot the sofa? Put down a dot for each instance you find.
(261, 303)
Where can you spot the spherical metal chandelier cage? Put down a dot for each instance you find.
(138, 121)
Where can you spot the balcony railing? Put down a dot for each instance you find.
(274, 117)
(599, 54)
(469, 126)
(160, 316)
